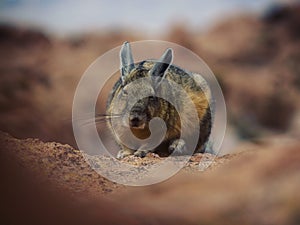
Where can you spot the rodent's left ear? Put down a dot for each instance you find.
(126, 60)
(161, 66)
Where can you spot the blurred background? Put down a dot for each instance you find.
(253, 47)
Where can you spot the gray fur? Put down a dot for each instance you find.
(147, 108)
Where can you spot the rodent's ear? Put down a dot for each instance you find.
(161, 66)
(126, 60)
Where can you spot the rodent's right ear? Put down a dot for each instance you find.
(126, 60)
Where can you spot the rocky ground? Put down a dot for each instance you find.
(65, 166)
(51, 183)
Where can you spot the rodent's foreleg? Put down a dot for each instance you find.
(178, 146)
(141, 153)
(124, 152)
(127, 152)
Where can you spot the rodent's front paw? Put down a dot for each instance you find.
(140, 153)
(123, 153)
(178, 146)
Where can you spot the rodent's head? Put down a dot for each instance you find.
(140, 112)
(137, 113)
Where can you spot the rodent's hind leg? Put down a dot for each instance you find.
(124, 153)
(178, 146)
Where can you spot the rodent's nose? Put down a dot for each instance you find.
(134, 121)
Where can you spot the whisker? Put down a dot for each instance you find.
(104, 115)
(95, 116)
(99, 118)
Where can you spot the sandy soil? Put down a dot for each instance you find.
(51, 183)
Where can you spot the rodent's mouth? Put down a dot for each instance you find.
(138, 127)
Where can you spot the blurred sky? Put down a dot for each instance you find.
(65, 17)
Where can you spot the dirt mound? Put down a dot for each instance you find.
(65, 166)
(50, 183)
